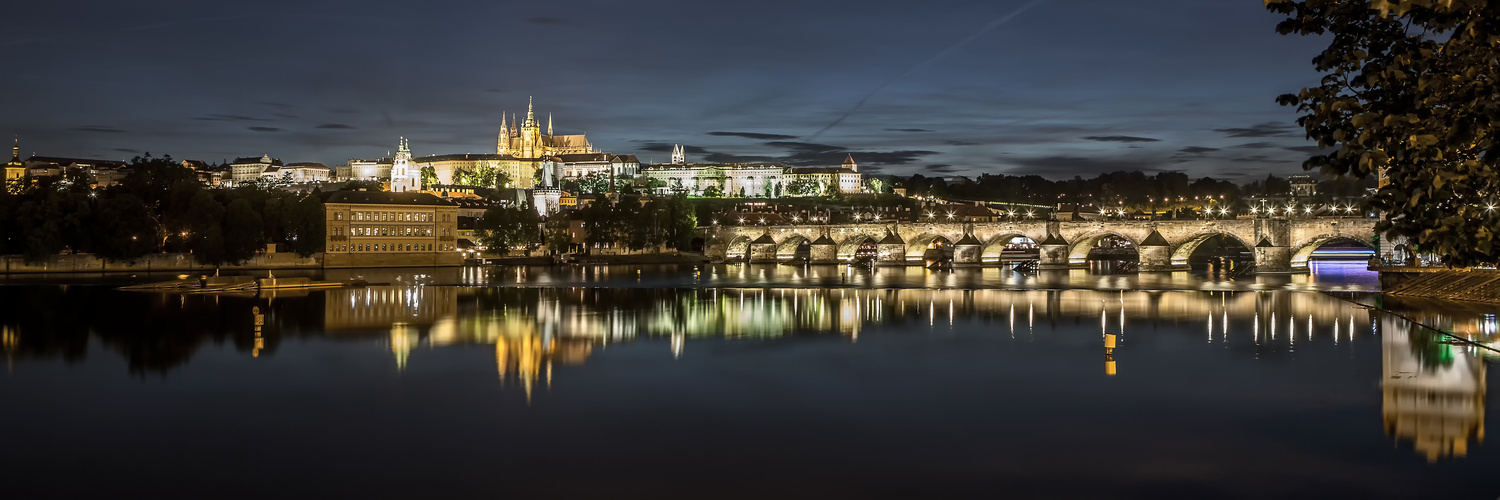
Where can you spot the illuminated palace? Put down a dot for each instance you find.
(752, 179)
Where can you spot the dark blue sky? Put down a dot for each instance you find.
(1063, 87)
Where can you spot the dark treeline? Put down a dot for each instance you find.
(1134, 189)
(658, 222)
(160, 206)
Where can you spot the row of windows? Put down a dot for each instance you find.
(388, 231)
(392, 216)
(390, 247)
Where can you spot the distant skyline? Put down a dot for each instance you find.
(1056, 88)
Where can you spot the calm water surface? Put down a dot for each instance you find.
(746, 382)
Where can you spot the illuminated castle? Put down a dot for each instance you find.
(526, 140)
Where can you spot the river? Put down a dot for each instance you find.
(739, 381)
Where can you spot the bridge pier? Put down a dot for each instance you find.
(824, 251)
(1272, 259)
(1053, 253)
(967, 250)
(763, 250)
(892, 250)
(1155, 253)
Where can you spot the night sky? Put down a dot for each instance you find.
(1056, 88)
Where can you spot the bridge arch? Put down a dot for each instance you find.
(851, 244)
(992, 249)
(737, 248)
(916, 248)
(788, 248)
(1078, 252)
(1303, 252)
(1184, 251)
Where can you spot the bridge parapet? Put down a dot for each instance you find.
(1279, 245)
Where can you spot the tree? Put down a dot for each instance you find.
(205, 229)
(124, 230)
(802, 187)
(713, 191)
(505, 228)
(363, 185)
(303, 226)
(428, 176)
(1408, 94)
(243, 231)
(558, 233)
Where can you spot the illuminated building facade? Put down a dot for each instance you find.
(750, 179)
(14, 169)
(381, 229)
(249, 169)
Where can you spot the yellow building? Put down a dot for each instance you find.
(380, 229)
(15, 169)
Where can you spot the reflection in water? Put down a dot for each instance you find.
(1433, 391)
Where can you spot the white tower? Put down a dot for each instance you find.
(403, 179)
(678, 156)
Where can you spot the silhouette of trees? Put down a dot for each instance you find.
(1408, 94)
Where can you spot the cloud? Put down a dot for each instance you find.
(912, 130)
(1312, 150)
(1068, 166)
(1256, 145)
(264, 129)
(961, 143)
(662, 147)
(1120, 138)
(800, 154)
(126, 150)
(231, 118)
(283, 115)
(754, 135)
(1197, 150)
(1268, 129)
(1259, 159)
(336, 126)
(940, 167)
(97, 128)
(281, 105)
(548, 21)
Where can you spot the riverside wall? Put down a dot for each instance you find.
(182, 262)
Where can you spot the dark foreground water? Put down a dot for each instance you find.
(745, 382)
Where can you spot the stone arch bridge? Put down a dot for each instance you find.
(1279, 245)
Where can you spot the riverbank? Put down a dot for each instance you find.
(169, 263)
(1470, 285)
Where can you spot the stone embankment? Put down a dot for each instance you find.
(1467, 285)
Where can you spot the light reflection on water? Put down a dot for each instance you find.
(540, 358)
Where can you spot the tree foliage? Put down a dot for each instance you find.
(505, 228)
(1409, 93)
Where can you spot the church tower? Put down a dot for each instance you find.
(15, 169)
(531, 134)
(850, 165)
(403, 179)
(503, 143)
(679, 157)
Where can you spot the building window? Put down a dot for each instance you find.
(338, 216)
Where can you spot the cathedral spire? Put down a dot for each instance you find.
(504, 140)
(549, 123)
(15, 152)
(679, 156)
(530, 115)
